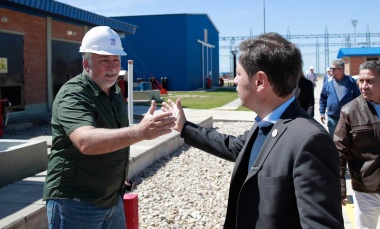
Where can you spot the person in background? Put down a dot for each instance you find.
(123, 87)
(357, 138)
(312, 76)
(282, 169)
(305, 94)
(337, 92)
(327, 75)
(88, 165)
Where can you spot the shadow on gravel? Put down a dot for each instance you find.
(152, 169)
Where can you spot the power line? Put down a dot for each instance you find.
(320, 44)
(326, 37)
(306, 36)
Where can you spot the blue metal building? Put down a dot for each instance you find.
(184, 48)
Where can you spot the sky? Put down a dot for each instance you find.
(243, 18)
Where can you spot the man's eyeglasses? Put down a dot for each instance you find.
(332, 69)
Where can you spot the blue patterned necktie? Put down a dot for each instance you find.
(259, 141)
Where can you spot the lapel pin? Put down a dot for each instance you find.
(274, 133)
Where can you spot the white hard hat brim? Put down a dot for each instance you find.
(107, 52)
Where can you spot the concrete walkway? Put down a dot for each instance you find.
(230, 106)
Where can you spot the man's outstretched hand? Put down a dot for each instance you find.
(155, 125)
(177, 111)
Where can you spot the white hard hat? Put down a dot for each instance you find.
(102, 40)
(328, 69)
(311, 67)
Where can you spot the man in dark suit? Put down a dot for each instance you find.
(294, 180)
(305, 94)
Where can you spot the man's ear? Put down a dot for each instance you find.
(86, 65)
(261, 79)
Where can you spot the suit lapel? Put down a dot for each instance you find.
(241, 165)
(277, 131)
(275, 134)
(245, 152)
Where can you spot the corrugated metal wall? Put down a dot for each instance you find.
(167, 46)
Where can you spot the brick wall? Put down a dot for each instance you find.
(60, 31)
(353, 63)
(34, 29)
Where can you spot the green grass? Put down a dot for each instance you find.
(202, 99)
(241, 108)
(207, 99)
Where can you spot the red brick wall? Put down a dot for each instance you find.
(34, 29)
(59, 30)
(355, 62)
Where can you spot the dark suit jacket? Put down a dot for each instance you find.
(306, 95)
(295, 180)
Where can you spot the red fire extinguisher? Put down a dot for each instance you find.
(208, 83)
(4, 113)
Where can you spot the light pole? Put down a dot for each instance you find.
(264, 13)
(234, 53)
(232, 42)
(354, 23)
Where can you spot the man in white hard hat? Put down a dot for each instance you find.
(327, 75)
(88, 165)
(312, 76)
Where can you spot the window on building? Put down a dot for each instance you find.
(372, 58)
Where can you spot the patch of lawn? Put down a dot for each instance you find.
(207, 99)
(241, 108)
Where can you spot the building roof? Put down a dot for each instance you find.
(374, 51)
(60, 10)
(175, 14)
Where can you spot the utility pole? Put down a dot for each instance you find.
(232, 42)
(327, 49)
(368, 37)
(317, 70)
(264, 13)
(354, 23)
(234, 52)
(288, 34)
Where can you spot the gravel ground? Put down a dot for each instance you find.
(187, 189)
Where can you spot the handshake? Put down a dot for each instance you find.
(155, 125)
